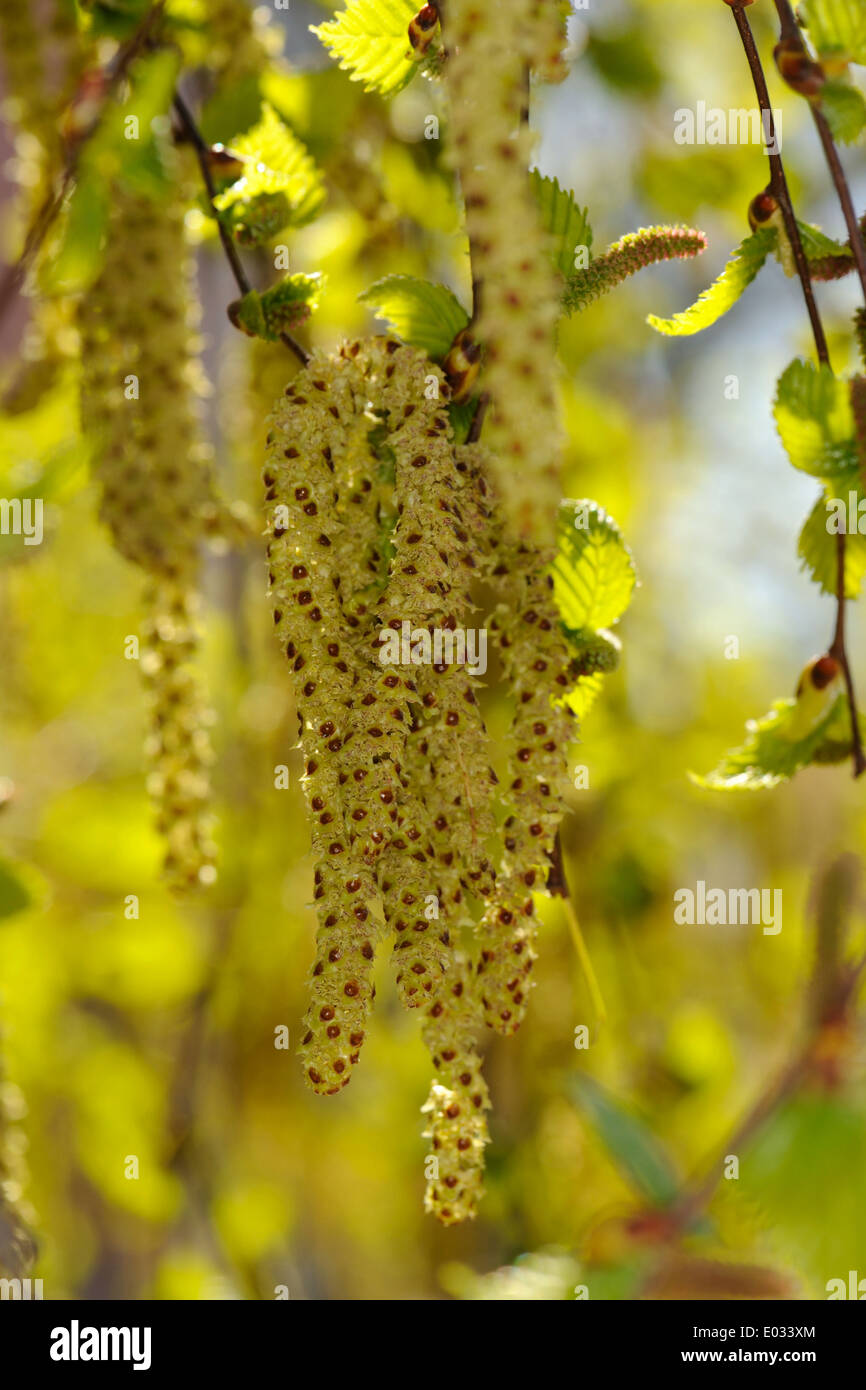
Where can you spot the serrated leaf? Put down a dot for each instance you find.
(424, 315)
(817, 244)
(837, 28)
(279, 167)
(561, 217)
(630, 1142)
(818, 550)
(723, 294)
(776, 749)
(593, 573)
(815, 421)
(370, 38)
(845, 109)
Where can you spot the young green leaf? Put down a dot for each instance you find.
(723, 294)
(424, 315)
(837, 28)
(845, 109)
(370, 38)
(279, 309)
(817, 549)
(828, 259)
(561, 217)
(626, 257)
(593, 573)
(584, 695)
(777, 747)
(630, 1143)
(815, 421)
(280, 186)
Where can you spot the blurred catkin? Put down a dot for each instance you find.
(141, 384)
(491, 146)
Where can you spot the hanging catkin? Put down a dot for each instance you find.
(140, 383)
(519, 303)
(538, 664)
(311, 426)
(459, 1100)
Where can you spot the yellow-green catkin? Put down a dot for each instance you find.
(491, 146)
(457, 1106)
(424, 569)
(310, 427)
(537, 663)
(178, 748)
(141, 382)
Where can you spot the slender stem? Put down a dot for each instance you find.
(855, 231)
(595, 994)
(839, 650)
(779, 183)
(15, 274)
(779, 187)
(202, 148)
(478, 418)
(790, 30)
(693, 1200)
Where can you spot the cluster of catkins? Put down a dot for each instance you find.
(139, 409)
(378, 523)
(381, 525)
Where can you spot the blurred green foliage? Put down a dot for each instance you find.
(155, 1036)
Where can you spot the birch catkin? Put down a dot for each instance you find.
(309, 427)
(140, 385)
(537, 663)
(519, 301)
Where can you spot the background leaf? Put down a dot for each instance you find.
(629, 1141)
(593, 573)
(425, 315)
(817, 550)
(815, 421)
(370, 38)
(567, 223)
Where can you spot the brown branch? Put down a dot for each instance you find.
(778, 181)
(790, 32)
(15, 274)
(202, 151)
(779, 188)
(201, 148)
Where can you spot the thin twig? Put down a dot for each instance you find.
(779, 188)
(15, 274)
(202, 150)
(778, 181)
(790, 30)
(839, 650)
